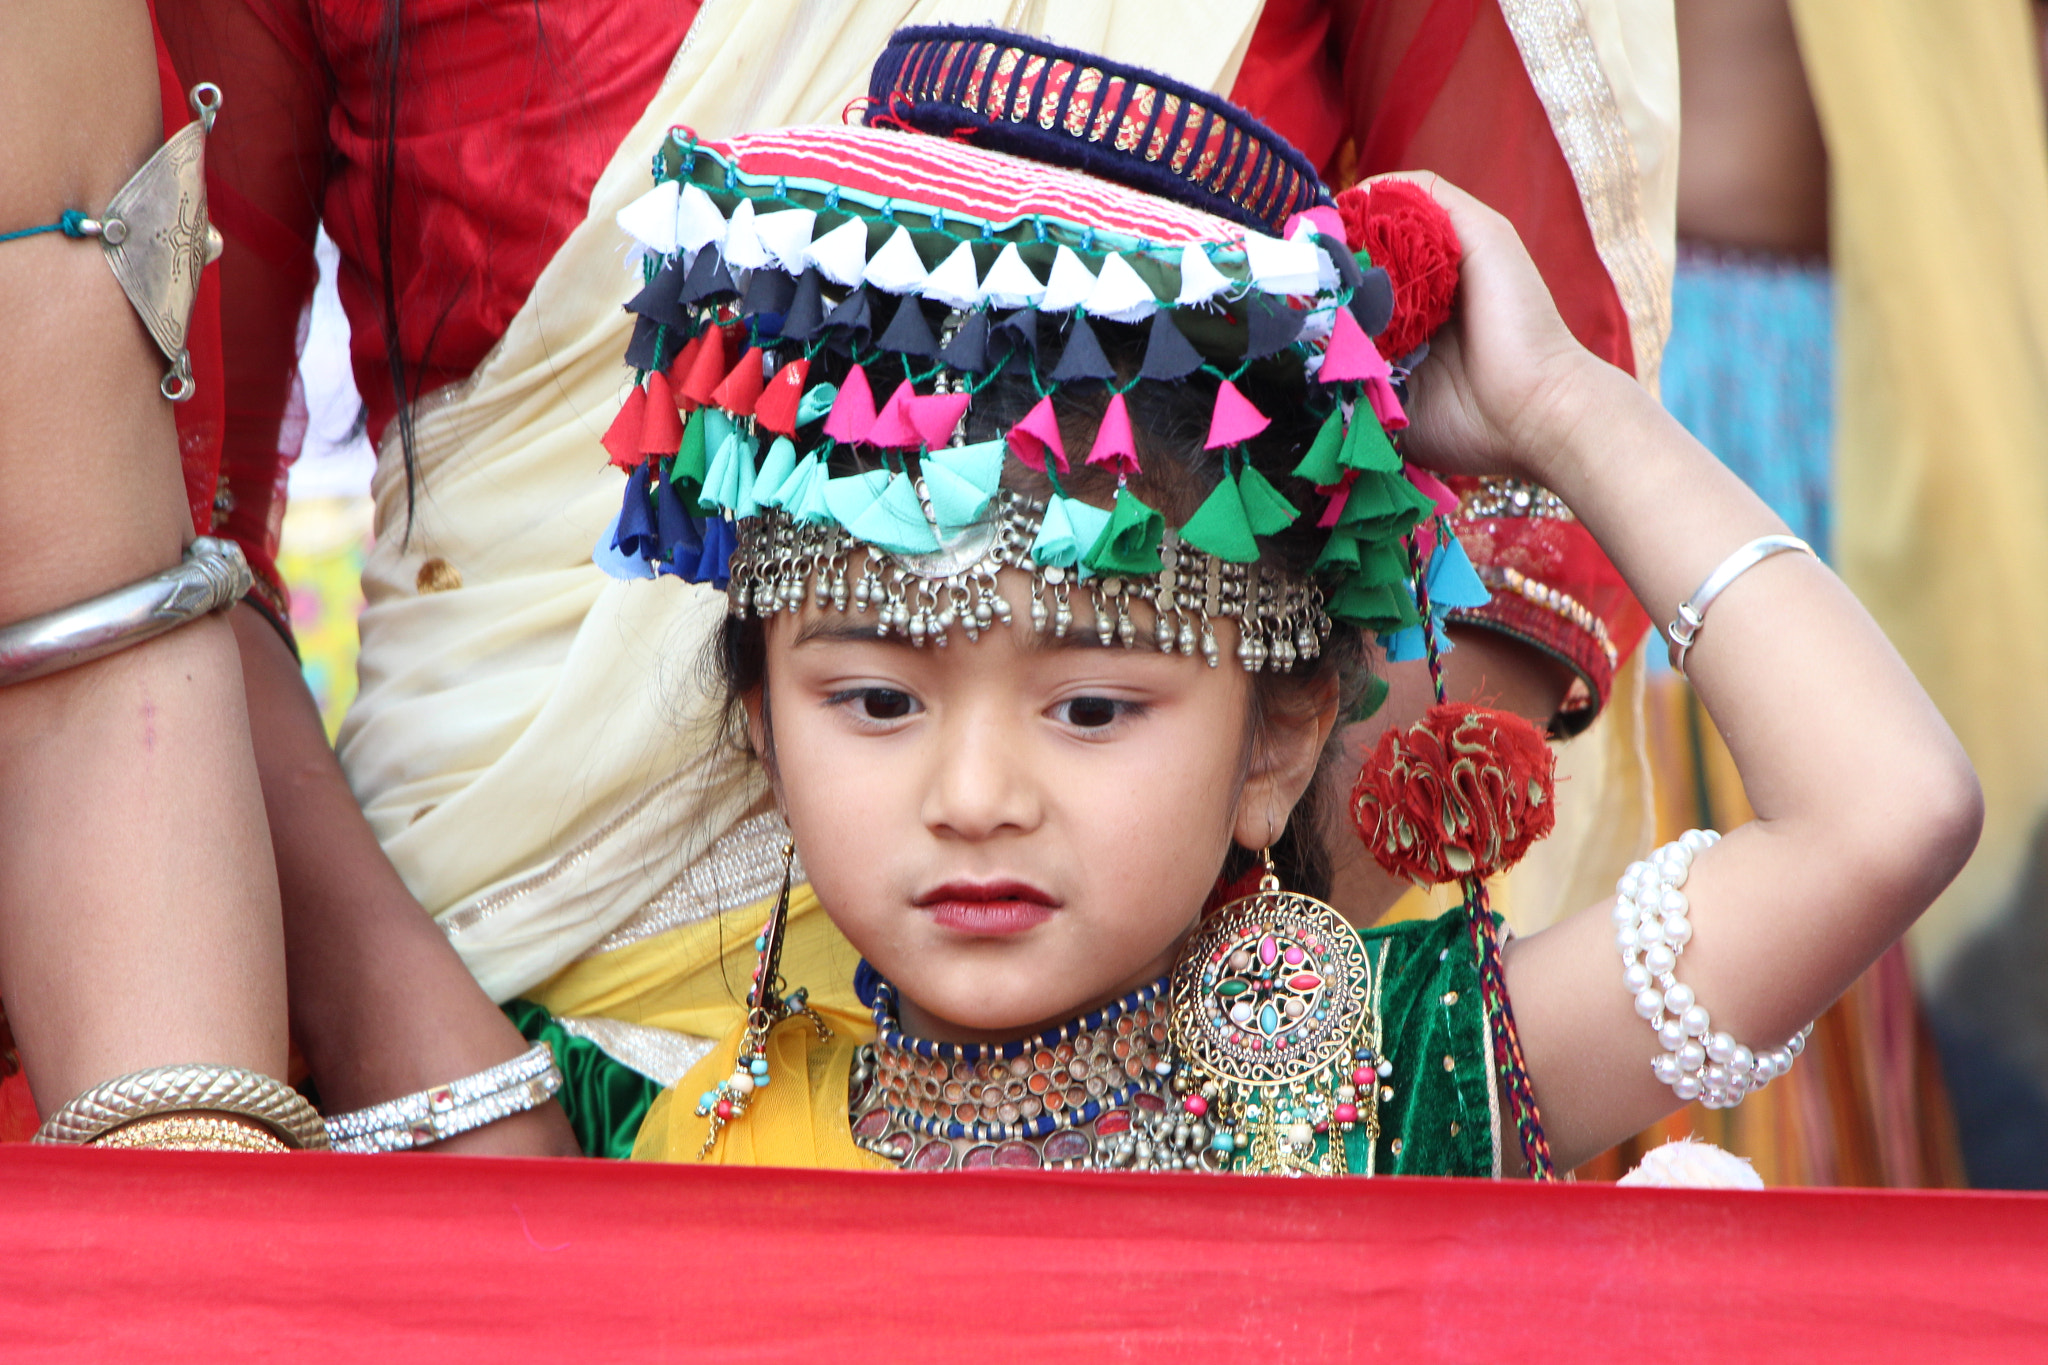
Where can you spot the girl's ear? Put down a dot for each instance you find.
(1288, 747)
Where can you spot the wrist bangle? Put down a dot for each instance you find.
(179, 1089)
(442, 1111)
(1692, 612)
(1652, 927)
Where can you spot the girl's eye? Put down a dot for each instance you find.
(1092, 713)
(881, 703)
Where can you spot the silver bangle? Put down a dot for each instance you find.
(177, 1089)
(440, 1112)
(1692, 613)
(212, 576)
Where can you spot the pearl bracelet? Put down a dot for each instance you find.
(1651, 930)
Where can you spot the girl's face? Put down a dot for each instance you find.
(1018, 829)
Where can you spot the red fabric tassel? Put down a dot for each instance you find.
(622, 437)
(707, 367)
(1462, 792)
(775, 410)
(661, 429)
(739, 391)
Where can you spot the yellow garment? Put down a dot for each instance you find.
(799, 1119)
(1939, 202)
(693, 979)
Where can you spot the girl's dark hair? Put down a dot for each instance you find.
(1170, 423)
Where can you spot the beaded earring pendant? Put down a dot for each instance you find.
(767, 1006)
(1276, 1034)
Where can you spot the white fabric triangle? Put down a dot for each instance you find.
(1200, 280)
(1069, 285)
(1010, 283)
(1120, 294)
(956, 283)
(841, 254)
(1305, 231)
(698, 221)
(744, 249)
(1280, 267)
(786, 233)
(897, 266)
(651, 219)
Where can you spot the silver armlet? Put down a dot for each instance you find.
(157, 238)
(213, 576)
(439, 1113)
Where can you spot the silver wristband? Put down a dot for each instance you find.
(440, 1112)
(1692, 612)
(212, 576)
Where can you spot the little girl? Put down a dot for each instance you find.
(1056, 510)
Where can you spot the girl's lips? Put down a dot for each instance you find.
(990, 909)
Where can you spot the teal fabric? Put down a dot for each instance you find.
(604, 1098)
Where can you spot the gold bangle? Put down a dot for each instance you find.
(190, 1133)
(178, 1089)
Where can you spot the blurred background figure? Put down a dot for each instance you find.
(1858, 319)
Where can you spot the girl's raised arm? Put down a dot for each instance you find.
(1866, 806)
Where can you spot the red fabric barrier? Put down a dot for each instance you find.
(159, 1257)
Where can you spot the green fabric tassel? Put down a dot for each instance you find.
(1366, 446)
(1220, 526)
(605, 1099)
(1265, 507)
(688, 473)
(1129, 544)
(1321, 466)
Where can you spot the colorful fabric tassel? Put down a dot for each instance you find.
(1038, 435)
(1234, 419)
(1114, 445)
(853, 411)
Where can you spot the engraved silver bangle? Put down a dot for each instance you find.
(177, 1089)
(212, 576)
(440, 1112)
(1692, 612)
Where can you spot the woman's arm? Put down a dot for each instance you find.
(138, 914)
(381, 1005)
(1866, 806)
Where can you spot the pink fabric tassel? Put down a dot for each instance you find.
(1114, 445)
(892, 428)
(935, 416)
(1351, 354)
(1235, 419)
(1037, 434)
(853, 411)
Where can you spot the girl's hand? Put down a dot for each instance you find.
(1494, 394)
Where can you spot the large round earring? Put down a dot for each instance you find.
(1275, 1025)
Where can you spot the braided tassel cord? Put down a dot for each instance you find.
(1507, 1039)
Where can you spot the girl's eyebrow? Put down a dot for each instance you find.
(840, 628)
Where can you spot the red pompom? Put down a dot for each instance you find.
(1462, 792)
(1407, 233)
